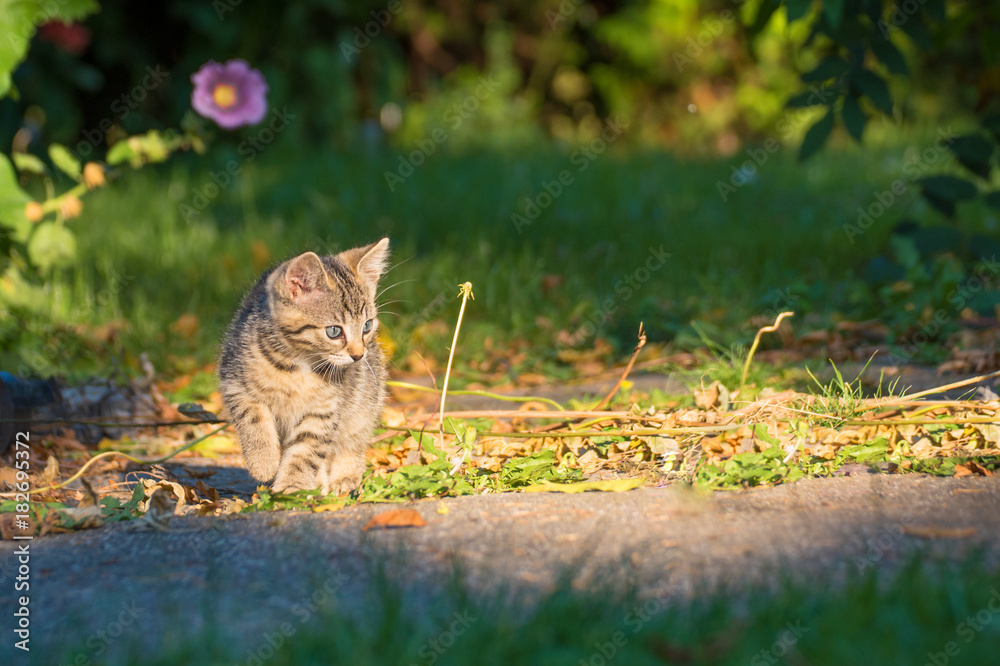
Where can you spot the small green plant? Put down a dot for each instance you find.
(843, 400)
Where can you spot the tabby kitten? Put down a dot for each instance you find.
(301, 373)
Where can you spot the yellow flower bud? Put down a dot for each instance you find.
(33, 211)
(93, 175)
(71, 207)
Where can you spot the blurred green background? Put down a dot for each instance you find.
(699, 156)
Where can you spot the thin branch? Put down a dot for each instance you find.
(628, 368)
(953, 385)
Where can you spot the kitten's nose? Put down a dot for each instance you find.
(358, 357)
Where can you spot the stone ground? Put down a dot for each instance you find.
(258, 570)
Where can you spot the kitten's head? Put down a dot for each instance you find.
(325, 306)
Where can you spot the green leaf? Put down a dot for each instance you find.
(12, 201)
(854, 118)
(26, 162)
(796, 9)
(949, 188)
(427, 444)
(19, 19)
(871, 85)
(946, 206)
(816, 136)
(803, 100)
(759, 431)
(65, 161)
(764, 13)
(828, 68)
(52, 246)
(122, 152)
(16, 292)
(974, 152)
(890, 56)
(833, 10)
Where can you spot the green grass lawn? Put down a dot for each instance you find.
(583, 267)
(915, 614)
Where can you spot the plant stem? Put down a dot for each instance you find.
(466, 293)
(756, 341)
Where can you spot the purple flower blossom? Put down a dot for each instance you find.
(232, 94)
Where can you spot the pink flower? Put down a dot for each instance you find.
(232, 94)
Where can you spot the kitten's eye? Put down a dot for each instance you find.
(368, 325)
(334, 332)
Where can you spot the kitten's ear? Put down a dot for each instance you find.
(368, 262)
(304, 276)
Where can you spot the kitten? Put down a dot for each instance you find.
(301, 373)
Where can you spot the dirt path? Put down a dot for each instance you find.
(257, 570)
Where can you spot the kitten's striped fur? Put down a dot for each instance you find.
(304, 404)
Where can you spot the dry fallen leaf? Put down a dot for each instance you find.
(396, 518)
(50, 473)
(610, 485)
(971, 468)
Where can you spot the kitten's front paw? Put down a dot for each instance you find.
(290, 483)
(344, 485)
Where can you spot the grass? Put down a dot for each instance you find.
(567, 275)
(882, 616)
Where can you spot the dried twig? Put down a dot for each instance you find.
(628, 368)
